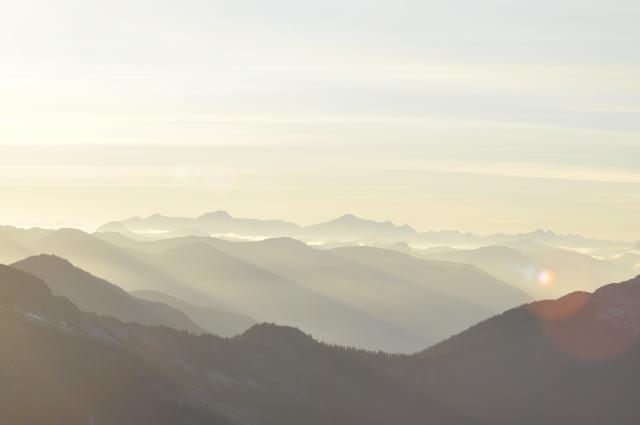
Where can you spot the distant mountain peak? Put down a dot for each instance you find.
(115, 225)
(545, 232)
(352, 227)
(401, 247)
(283, 242)
(353, 219)
(157, 216)
(215, 214)
(68, 234)
(48, 259)
(70, 231)
(349, 217)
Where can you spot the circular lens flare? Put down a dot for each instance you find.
(545, 278)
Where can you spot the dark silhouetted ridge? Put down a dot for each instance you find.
(92, 369)
(574, 360)
(97, 295)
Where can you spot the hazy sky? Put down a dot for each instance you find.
(479, 115)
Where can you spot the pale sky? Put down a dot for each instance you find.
(476, 115)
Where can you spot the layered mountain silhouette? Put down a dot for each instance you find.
(69, 367)
(10, 250)
(460, 281)
(521, 263)
(629, 260)
(336, 297)
(571, 360)
(96, 295)
(195, 274)
(348, 228)
(360, 296)
(246, 286)
(106, 260)
(15, 242)
(217, 322)
(293, 283)
(575, 360)
(352, 228)
(218, 222)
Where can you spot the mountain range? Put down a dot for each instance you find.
(347, 228)
(339, 298)
(396, 298)
(571, 360)
(540, 270)
(96, 295)
(574, 360)
(154, 308)
(69, 367)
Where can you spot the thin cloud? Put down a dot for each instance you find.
(534, 171)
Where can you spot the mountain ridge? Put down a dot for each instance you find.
(511, 368)
(131, 374)
(96, 295)
(357, 228)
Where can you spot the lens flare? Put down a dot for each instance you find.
(545, 278)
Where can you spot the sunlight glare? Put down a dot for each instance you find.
(546, 278)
